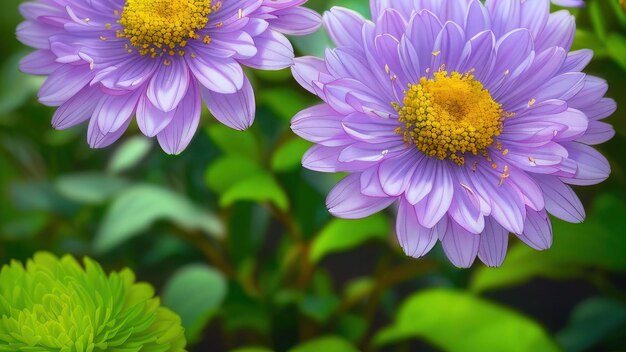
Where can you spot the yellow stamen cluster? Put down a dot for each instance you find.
(450, 115)
(159, 27)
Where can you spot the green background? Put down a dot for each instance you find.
(235, 236)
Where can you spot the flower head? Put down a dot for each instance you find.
(472, 118)
(110, 60)
(53, 304)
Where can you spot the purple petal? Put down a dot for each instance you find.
(432, 208)
(346, 201)
(415, 239)
(169, 85)
(493, 243)
(561, 201)
(222, 76)
(296, 21)
(537, 232)
(150, 119)
(235, 110)
(178, 134)
(274, 52)
(460, 246)
(77, 109)
(320, 124)
(344, 26)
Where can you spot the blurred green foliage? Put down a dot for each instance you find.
(235, 234)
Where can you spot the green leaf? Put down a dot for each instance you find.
(342, 235)
(129, 154)
(458, 322)
(319, 308)
(234, 142)
(40, 196)
(252, 349)
(195, 292)
(136, 209)
(15, 86)
(325, 344)
(285, 102)
(598, 242)
(358, 289)
(352, 326)
(289, 155)
(616, 47)
(314, 44)
(90, 188)
(229, 170)
(359, 6)
(598, 19)
(588, 40)
(260, 187)
(591, 322)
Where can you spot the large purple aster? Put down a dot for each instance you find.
(107, 60)
(474, 119)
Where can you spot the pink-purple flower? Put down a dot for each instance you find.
(474, 119)
(110, 60)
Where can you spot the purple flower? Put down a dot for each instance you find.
(108, 60)
(473, 119)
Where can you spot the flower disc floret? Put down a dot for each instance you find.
(156, 26)
(55, 304)
(450, 115)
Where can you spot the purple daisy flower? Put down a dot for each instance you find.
(473, 119)
(108, 60)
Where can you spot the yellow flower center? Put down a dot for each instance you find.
(158, 27)
(450, 115)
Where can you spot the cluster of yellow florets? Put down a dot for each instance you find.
(450, 115)
(158, 27)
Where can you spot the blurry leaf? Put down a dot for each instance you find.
(359, 6)
(285, 102)
(522, 264)
(15, 86)
(234, 142)
(40, 196)
(325, 344)
(260, 187)
(588, 40)
(164, 248)
(591, 322)
(252, 349)
(598, 20)
(23, 226)
(352, 327)
(598, 242)
(136, 209)
(342, 235)
(319, 308)
(616, 46)
(129, 154)
(240, 312)
(90, 188)
(458, 322)
(229, 170)
(359, 288)
(195, 292)
(289, 155)
(619, 9)
(314, 44)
